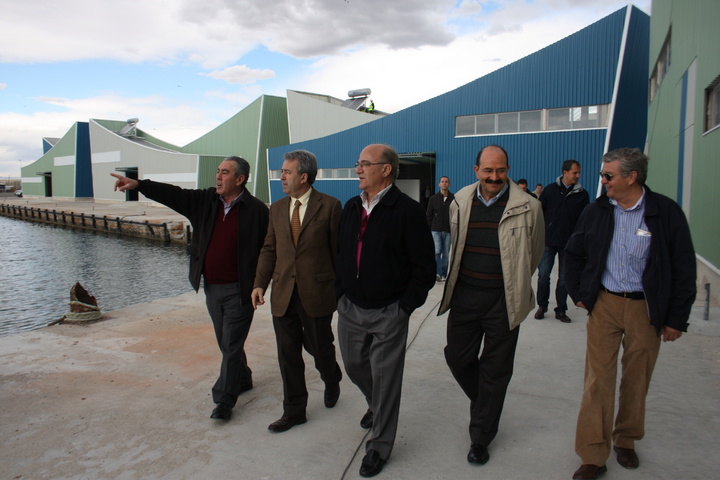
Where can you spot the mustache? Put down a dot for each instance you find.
(494, 182)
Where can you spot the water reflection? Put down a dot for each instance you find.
(40, 263)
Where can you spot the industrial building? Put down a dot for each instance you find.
(578, 98)
(683, 140)
(78, 165)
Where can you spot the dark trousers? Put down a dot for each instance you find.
(546, 265)
(477, 315)
(231, 319)
(293, 331)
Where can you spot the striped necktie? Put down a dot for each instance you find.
(295, 222)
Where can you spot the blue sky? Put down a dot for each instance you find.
(184, 67)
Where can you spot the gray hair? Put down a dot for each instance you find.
(390, 156)
(631, 160)
(307, 163)
(242, 167)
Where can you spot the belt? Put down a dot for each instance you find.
(630, 295)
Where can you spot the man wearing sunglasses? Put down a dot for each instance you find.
(630, 262)
(385, 268)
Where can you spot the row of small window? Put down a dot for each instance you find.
(324, 174)
(571, 118)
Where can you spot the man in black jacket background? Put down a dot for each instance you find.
(438, 217)
(562, 201)
(229, 226)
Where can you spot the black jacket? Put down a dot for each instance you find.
(670, 273)
(398, 254)
(438, 212)
(562, 208)
(200, 207)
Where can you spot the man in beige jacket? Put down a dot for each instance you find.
(498, 236)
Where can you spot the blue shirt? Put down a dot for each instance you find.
(493, 199)
(629, 249)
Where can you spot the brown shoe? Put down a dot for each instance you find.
(562, 317)
(540, 313)
(589, 472)
(627, 457)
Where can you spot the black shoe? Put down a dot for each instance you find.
(367, 420)
(372, 464)
(478, 454)
(562, 317)
(540, 313)
(222, 411)
(332, 393)
(284, 424)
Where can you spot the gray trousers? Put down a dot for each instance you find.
(231, 319)
(372, 343)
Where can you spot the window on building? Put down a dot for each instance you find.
(531, 121)
(567, 118)
(712, 105)
(465, 126)
(662, 65)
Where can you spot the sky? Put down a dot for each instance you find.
(184, 67)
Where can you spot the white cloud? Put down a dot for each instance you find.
(407, 51)
(241, 74)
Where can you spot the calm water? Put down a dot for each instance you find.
(40, 263)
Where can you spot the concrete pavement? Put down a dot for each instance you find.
(129, 398)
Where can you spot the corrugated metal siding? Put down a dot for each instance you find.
(207, 170)
(695, 37)
(83, 167)
(63, 177)
(273, 133)
(630, 120)
(578, 70)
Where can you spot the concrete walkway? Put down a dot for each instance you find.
(129, 398)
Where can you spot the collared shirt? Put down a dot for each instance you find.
(493, 199)
(369, 205)
(629, 249)
(303, 205)
(228, 206)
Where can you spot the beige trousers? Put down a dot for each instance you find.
(615, 321)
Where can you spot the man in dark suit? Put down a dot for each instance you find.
(229, 225)
(299, 257)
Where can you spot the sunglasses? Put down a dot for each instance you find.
(607, 176)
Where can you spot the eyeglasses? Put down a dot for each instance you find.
(365, 164)
(607, 176)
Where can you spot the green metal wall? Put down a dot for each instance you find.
(695, 37)
(63, 177)
(248, 134)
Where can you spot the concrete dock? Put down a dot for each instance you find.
(128, 398)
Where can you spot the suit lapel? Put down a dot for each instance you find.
(312, 209)
(284, 229)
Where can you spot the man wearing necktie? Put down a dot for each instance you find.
(298, 255)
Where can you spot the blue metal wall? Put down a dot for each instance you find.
(83, 165)
(578, 70)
